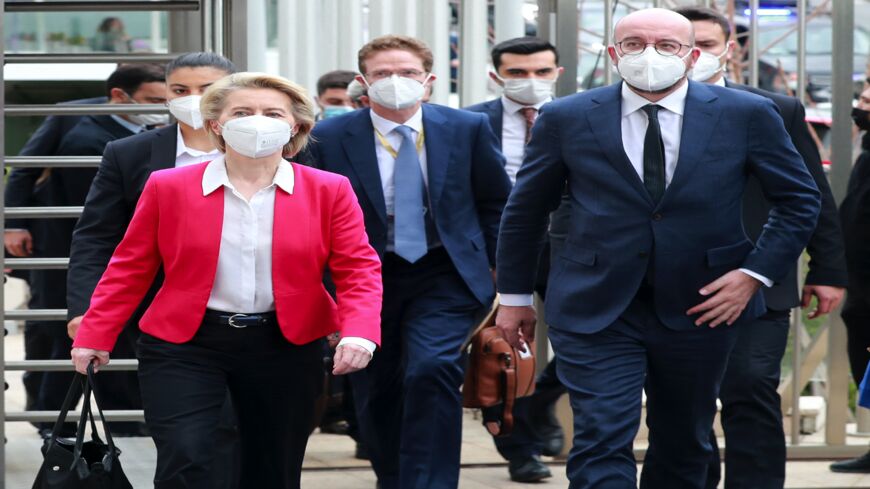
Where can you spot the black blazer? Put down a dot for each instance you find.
(494, 110)
(827, 264)
(855, 215)
(126, 166)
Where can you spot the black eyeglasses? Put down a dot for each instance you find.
(635, 45)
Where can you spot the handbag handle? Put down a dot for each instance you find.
(90, 386)
(71, 395)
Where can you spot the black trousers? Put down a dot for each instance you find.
(751, 411)
(273, 385)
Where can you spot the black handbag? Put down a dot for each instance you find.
(79, 464)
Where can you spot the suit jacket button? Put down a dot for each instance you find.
(657, 217)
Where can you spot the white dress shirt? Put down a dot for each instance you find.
(185, 156)
(634, 125)
(513, 134)
(386, 161)
(243, 281)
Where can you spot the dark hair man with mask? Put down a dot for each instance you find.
(657, 277)
(855, 218)
(333, 98)
(751, 410)
(143, 83)
(431, 184)
(527, 69)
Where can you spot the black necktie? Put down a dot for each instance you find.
(653, 155)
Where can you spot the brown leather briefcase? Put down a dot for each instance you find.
(497, 374)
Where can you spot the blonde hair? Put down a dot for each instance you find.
(215, 98)
(392, 42)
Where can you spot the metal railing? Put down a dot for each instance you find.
(214, 17)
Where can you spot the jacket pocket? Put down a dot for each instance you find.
(578, 254)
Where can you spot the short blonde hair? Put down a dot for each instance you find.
(215, 98)
(392, 42)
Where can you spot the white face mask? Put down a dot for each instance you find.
(397, 92)
(146, 119)
(707, 66)
(256, 136)
(650, 71)
(186, 110)
(530, 91)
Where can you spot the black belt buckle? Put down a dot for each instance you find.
(232, 321)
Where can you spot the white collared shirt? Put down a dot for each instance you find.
(386, 161)
(134, 128)
(513, 135)
(185, 156)
(243, 281)
(635, 122)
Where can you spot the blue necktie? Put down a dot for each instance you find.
(409, 225)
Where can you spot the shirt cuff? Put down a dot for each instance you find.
(516, 299)
(355, 340)
(761, 278)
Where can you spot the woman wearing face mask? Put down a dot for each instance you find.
(243, 241)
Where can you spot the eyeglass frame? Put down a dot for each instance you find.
(383, 74)
(654, 45)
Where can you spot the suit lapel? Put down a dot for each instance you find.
(699, 120)
(606, 123)
(163, 148)
(289, 208)
(359, 146)
(439, 142)
(209, 222)
(496, 112)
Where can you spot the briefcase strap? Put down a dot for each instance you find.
(501, 423)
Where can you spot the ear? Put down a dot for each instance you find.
(559, 71)
(431, 79)
(117, 96)
(494, 77)
(729, 50)
(362, 80)
(696, 53)
(611, 50)
(215, 127)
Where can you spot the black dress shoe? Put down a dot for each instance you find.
(860, 465)
(528, 469)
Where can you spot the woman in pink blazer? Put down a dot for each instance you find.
(244, 241)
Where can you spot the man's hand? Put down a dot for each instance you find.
(19, 242)
(82, 357)
(517, 325)
(349, 358)
(73, 326)
(828, 298)
(728, 297)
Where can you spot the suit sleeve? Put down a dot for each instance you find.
(539, 187)
(490, 184)
(788, 186)
(827, 255)
(99, 230)
(21, 182)
(128, 277)
(355, 269)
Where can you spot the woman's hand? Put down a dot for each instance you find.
(82, 357)
(349, 358)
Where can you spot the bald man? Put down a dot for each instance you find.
(657, 275)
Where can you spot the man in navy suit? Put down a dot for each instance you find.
(751, 411)
(432, 185)
(526, 68)
(657, 275)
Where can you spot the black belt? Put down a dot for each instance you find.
(239, 320)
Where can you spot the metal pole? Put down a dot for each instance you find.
(349, 38)
(608, 41)
(566, 42)
(753, 44)
(433, 25)
(287, 55)
(843, 18)
(380, 20)
(217, 27)
(328, 28)
(472, 52)
(802, 51)
(207, 27)
(2, 225)
(256, 38)
(508, 21)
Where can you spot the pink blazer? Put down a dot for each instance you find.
(317, 227)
